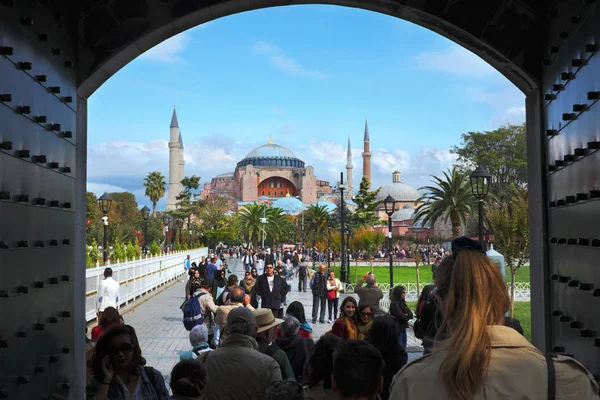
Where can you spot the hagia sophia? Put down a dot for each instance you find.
(274, 175)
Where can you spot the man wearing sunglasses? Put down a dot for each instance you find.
(271, 289)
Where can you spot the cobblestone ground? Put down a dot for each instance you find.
(158, 323)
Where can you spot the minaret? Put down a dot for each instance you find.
(349, 169)
(176, 163)
(367, 154)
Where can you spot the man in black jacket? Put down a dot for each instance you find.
(269, 258)
(318, 284)
(271, 288)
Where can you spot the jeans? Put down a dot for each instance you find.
(302, 279)
(333, 305)
(318, 300)
(402, 339)
(248, 267)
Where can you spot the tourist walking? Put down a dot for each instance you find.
(399, 310)
(302, 276)
(481, 358)
(334, 287)
(265, 337)
(318, 285)
(296, 309)
(108, 293)
(187, 263)
(345, 326)
(271, 289)
(199, 341)
(219, 284)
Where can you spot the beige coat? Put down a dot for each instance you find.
(517, 370)
(223, 312)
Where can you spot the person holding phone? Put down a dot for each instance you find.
(119, 372)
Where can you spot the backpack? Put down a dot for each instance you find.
(192, 314)
(302, 270)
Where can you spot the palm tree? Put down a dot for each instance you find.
(320, 216)
(155, 188)
(451, 198)
(249, 221)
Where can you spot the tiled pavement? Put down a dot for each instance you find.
(158, 323)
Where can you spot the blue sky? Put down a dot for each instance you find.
(308, 76)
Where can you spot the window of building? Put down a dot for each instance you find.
(269, 193)
(281, 192)
(262, 193)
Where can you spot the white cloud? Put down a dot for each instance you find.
(280, 61)
(507, 104)
(168, 51)
(100, 188)
(455, 60)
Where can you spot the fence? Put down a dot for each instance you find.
(522, 292)
(137, 277)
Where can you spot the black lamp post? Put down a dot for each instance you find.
(390, 207)
(167, 219)
(480, 186)
(342, 187)
(179, 223)
(328, 247)
(105, 202)
(145, 214)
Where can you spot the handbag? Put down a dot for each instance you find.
(331, 294)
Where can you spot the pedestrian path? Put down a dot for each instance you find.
(159, 326)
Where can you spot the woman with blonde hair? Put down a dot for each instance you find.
(479, 357)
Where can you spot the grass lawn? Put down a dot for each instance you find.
(408, 275)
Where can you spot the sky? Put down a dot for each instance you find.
(307, 76)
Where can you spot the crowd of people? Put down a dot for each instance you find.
(252, 351)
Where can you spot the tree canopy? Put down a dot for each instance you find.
(365, 199)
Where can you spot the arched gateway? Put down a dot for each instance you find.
(54, 54)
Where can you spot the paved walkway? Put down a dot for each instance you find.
(159, 326)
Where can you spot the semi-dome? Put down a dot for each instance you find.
(271, 155)
(289, 205)
(329, 206)
(398, 190)
(403, 215)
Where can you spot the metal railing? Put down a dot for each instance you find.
(137, 277)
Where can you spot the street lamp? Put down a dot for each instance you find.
(167, 219)
(263, 221)
(328, 244)
(179, 223)
(105, 202)
(342, 187)
(390, 207)
(480, 186)
(145, 214)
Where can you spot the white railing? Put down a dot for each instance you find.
(137, 277)
(522, 292)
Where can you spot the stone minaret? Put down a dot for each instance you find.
(176, 163)
(349, 169)
(367, 154)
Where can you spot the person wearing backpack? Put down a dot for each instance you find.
(205, 311)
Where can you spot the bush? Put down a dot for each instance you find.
(93, 253)
(154, 249)
(119, 252)
(131, 251)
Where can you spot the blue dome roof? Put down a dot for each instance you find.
(329, 206)
(290, 205)
(271, 150)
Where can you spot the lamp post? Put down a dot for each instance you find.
(105, 202)
(328, 247)
(145, 214)
(390, 207)
(179, 223)
(167, 219)
(480, 186)
(342, 187)
(302, 230)
(263, 221)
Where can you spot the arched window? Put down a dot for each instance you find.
(269, 193)
(281, 192)
(262, 193)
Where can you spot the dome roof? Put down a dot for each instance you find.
(398, 190)
(224, 175)
(329, 206)
(271, 150)
(290, 205)
(402, 215)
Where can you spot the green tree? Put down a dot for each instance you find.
(154, 249)
(119, 252)
(249, 222)
(94, 252)
(502, 151)
(510, 222)
(212, 212)
(316, 218)
(155, 188)
(366, 204)
(450, 198)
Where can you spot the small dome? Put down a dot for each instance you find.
(226, 174)
(271, 150)
(402, 215)
(290, 205)
(398, 190)
(329, 206)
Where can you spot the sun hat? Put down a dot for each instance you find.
(265, 319)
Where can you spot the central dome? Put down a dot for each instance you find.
(271, 150)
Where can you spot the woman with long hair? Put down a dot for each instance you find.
(345, 326)
(320, 368)
(399, 310)
(219, 284)
(364, 320)
(118, 369)
(109, 318)
(384, 336)
(193, 281)
(479, 357)
(334, 286)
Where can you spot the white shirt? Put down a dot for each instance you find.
(219, 263)
(108, 294)
(270, 280)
